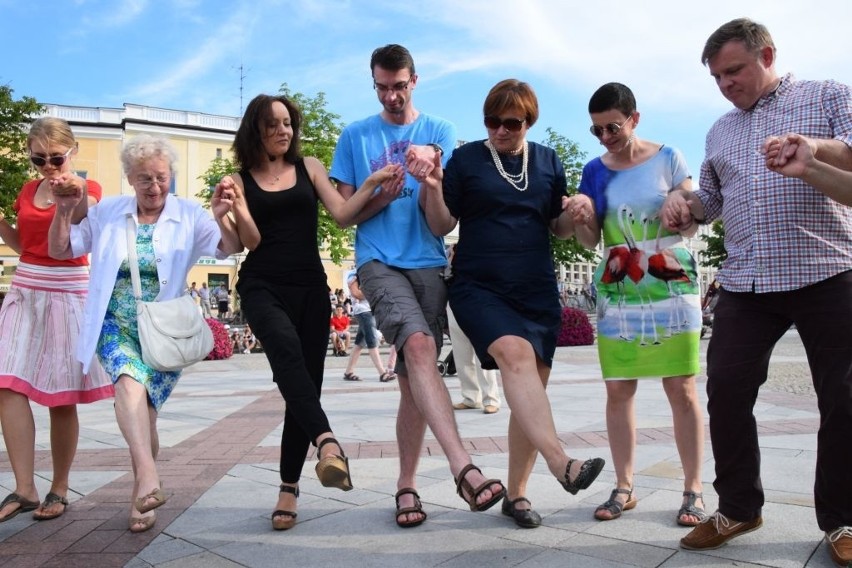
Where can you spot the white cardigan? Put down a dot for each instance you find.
(183, 233)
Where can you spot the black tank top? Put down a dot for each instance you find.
(287, 221)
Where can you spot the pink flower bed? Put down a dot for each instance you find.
(222, 347)
(576, 329)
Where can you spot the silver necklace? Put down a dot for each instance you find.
(513, 179)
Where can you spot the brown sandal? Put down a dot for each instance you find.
(332, 470)
(49, 501)
(417, 508)
(281, 519)
(463, 485)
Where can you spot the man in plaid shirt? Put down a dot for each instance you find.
(789, 263)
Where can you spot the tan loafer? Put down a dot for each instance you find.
(490, 409)
(716, 530)
(465, 406)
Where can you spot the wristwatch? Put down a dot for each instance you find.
(437, 148)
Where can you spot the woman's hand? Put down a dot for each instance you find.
(581, 209)
(224, 196)
(68, 191)
(389, 179)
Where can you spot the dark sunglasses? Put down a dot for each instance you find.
(510, 124)
(613, 128)
(54, 160)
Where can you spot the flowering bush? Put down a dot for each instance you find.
(222, 347)
(576, 329)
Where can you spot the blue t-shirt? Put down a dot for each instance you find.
(398, 235)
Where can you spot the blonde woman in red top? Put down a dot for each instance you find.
(39, 326)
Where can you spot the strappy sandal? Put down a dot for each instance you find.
(463, 485)
(614, 506)
(49, 501)
(24, 505)
(524, 518)
(281, 519)
(691, 509)
(387, 376)
(351, 377)
(333, 470)
(417, 508)
(588, 473)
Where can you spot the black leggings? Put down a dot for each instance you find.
(291, 323)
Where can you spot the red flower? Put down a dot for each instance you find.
(576, 329)
(222, 347)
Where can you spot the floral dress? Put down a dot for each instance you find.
(118, 346)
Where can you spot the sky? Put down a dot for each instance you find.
(213, 56)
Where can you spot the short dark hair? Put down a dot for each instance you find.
(392, 57)
(755, 37)
(613, 96)
(248, 142)
(512, 94)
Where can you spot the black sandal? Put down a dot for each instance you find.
(351, 377)
(691, 509)
(417, 508)
(333, 470)
(463, 485)
(278, 523)
(588, 473)
(524, 518)
(614, 506)
(387, 376)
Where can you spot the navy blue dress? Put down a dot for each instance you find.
(503, 277)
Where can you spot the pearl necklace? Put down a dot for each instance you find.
(513, 179)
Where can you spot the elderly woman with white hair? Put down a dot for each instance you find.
(171, 234)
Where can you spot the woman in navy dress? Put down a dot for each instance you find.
(508, 195)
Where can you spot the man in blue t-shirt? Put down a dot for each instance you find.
(399, 264)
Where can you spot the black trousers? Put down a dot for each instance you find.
(291, 323)
(746, 327)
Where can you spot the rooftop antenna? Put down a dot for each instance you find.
(242, 71)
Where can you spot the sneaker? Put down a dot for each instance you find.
(840, 545)
(716, 530)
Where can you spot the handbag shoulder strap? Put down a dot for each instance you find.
(132, 261)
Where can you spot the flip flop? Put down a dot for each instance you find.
(23, 505)
(141, 524)
(159, 499)
(49, 501)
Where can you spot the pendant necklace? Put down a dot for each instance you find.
(519, 181)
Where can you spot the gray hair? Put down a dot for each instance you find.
(144, 147)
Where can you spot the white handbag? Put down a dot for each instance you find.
(173, 334)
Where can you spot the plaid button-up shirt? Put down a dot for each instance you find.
(780, 233)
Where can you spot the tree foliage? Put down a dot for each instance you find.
(568, 251)
(15, 168)
(320, 130)
(715, 254)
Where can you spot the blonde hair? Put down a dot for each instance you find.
(51, 131)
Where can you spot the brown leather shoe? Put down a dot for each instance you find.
(490, 409)
(716, 530)
(465, 406)
(839, 543)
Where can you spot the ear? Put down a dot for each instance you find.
(636, 116)
(767, 56)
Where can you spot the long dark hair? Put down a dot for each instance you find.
(248, 143)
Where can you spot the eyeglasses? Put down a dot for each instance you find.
(510, 124)
(57, 161)
(146, 182)
(613, 128)
(398, 88)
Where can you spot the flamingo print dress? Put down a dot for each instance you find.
(649, 315)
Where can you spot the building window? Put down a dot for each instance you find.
(218, 152)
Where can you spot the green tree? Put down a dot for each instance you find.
(715, 253)
(15, 167)
(568, 251)
(320, 130)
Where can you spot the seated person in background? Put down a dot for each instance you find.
(339, 328)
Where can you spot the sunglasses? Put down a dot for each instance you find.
(54, 160)
(510, 124)
(612, 128)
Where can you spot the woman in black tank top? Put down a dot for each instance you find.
(282, 284)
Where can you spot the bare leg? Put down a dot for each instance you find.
(16, 419)
(689, 432)
(64, 433)
(353, 359)
(432, 398)
(522, 455)
(621, 430)
(410, 431)
(376, 358)
(137, 422)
